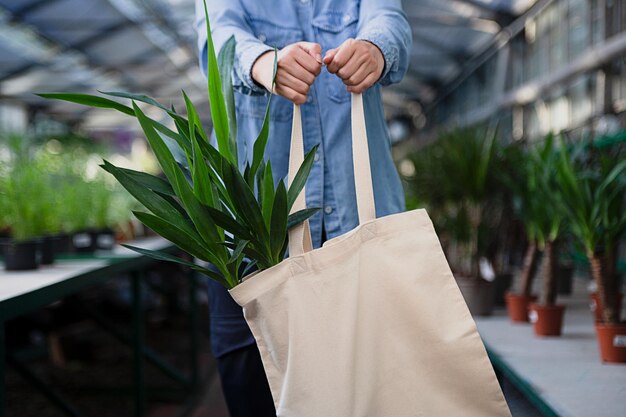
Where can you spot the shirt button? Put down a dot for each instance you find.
(309, 99)
(328, 209)
(316, 157)
(346, 18)
(262, 37)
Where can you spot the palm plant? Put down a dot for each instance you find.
(209, 208)
(519, 178)
(547, 216)
(594, 202)
(455, 177)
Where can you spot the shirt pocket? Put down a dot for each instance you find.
(332, 28)
(278, 36)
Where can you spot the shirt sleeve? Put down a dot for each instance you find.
(227, 19)
(383, 23)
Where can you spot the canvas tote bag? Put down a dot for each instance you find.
(372, 324)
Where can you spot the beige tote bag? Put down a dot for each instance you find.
(372, 324)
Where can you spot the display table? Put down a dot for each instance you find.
(26, 291)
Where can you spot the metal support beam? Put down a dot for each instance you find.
(20, 13)
(158, 31)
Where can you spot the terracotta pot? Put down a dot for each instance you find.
(596, 307)
(517, 306)
(547, 320)
(612, 341)
(479, 295)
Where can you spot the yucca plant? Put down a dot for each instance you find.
(546, 211)
(205, 204)
(594, 202)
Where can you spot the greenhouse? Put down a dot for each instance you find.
(306, 208)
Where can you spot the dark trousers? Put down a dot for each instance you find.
(244, 383)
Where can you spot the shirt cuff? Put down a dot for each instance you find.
(247, 58)
(389, 51)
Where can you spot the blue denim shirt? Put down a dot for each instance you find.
(260, 25)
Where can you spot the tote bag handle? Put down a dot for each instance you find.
(300, 236)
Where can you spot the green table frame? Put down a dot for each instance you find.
(111, 265)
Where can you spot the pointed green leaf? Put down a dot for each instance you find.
(164, 256)
(298, 217)
(268, 194)
(199, 216)
(226, 59)
(89, 100)
(298, 182)
(151, 182)
(278, 228)
(189, 242)
(216, 98)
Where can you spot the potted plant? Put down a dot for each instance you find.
(22, 191)
(206, 205)
(455, 177)
(546, 315)
(520, 177)
(594, 200)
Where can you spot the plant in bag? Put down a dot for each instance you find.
(205, 205)
(593, 194)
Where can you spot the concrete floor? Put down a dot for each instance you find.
(566, 372)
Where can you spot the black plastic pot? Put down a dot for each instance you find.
(105, 239)
(84, 241)
(46, 250)
(63, 245)
(20, 256)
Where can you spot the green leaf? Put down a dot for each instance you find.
(151, 182)
(226, 59)
(267, 190)
(298, 217)
(216, 98)
(197, 212)
(261, 141)
(164, 256)
(229, 224)
(189, 242)
(246, 204)
(151, 200)
(241, 245)
(160, 149)
(297, 183)
(278, 228)
(89, 100)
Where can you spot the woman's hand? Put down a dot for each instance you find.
(358, 63)
(298, 65)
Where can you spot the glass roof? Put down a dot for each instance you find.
(148, 46)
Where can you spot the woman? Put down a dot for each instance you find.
(327, 49)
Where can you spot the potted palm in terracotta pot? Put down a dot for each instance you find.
(546, 315)
(521, 179)
(594, 200)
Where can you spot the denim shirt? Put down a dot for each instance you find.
(260, 25)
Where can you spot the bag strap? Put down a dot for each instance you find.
(300, 236)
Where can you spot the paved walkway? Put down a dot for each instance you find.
(565, 372)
